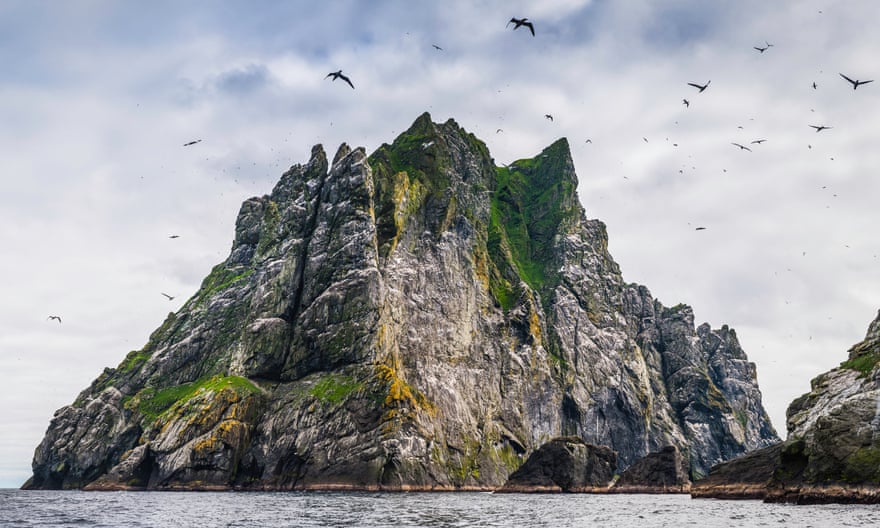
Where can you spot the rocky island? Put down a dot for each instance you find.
(413, 319)
(832, 452)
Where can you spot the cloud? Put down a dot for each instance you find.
(243, 81)
(97, 99)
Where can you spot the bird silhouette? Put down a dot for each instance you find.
(814, 85)
(686, 103)
(820, 128)
(700, 229)
(548, 116)
(339, 75)
(436, 47)
(522, 22)
(55, 317)
(700, 87)
(173, 236)
(742, 147)
(588, 141)
(855, 83)
(762, 50)
(192, 142)
(498, 131)
(757, 141)
(170, 298)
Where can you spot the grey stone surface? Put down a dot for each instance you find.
(414, 319)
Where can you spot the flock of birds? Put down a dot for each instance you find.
(524, 22)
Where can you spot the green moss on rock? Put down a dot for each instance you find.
(335, 388)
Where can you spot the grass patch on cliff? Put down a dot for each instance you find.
(864, 363)
(533, 200)
(133, 361)
(335, 388)
(151, 402)
(220, 278)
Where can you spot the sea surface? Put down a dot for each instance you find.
(356, 510)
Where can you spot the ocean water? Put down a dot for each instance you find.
(356, 510)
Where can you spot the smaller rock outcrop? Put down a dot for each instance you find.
(665, 471)
(832, 453)
(745, 477)
(566, 464)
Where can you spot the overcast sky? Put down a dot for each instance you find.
(98, 97)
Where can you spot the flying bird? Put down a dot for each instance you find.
(814, 85)
(757, 141)
(820, 128)
(56, 317)
(700, 87)
(548, 116)
(700, 229)
(436, 47)
(339, 75)
(192, 142)
(856, 83)
(762, 50)
(498, 131)
(742, 147)
(173, 236)
(170, 298)
(588, 141)
(686, 103)
(522, 22)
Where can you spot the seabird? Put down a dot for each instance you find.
(56, 317)
(814, 85)
(173, 236)
(522, 22)
(686, 103)
(436, 47)
(700, 87)
(700, 229)
(498, 131)
(856, 83)
(762, 50)
(820, 128)
(548, 116)
(192, 143)
(758, 141)
(588, 141)
(742, 147)
(170, 298)
(338, 75)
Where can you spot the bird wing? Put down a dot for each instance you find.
(695, 85)
(530, 26)
(331, 74)
(346, 79)
(866, 82)
(848, 79)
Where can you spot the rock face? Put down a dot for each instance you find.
(665, 471)
(566, 464)
(832, 453)
(414, 319)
